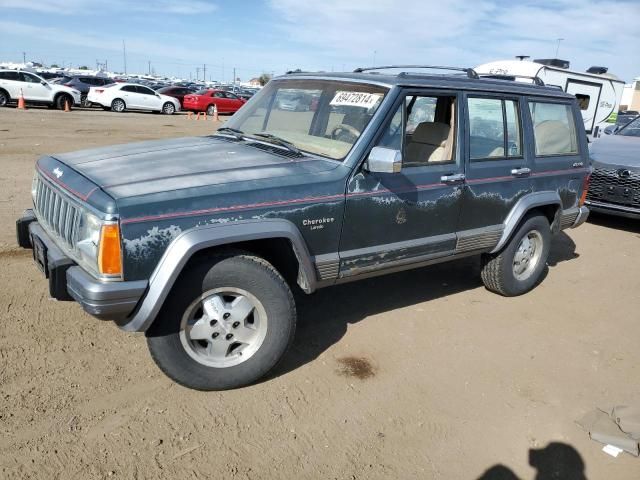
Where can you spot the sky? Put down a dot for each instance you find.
(179, 37)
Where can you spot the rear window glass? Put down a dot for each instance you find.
(553, 128)
(494, 126)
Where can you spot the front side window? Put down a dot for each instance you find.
(145, 91)
(129, 88)
(423, 128)
(553, 128)
(323, 117)
(27, 77)
(494, 129)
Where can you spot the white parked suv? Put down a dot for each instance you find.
(35, 89)
(129, 96)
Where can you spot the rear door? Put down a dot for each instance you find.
(498, 167)
(129, 95)
(11, 83)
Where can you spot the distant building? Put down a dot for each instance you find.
(631, 96)
(254, 82)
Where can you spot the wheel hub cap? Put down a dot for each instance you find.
(223, 327)
(527, 255)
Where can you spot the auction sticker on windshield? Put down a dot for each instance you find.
(356, 99)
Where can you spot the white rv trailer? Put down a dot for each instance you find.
(598, 92)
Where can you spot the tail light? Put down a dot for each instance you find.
(585, 189)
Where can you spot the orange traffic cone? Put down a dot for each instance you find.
(66, 106)
(204, 116)
(21, 104)
(198, 116)
(216, 118)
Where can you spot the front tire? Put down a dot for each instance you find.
(168, 108)
(225, 324)
(518, 267)
(62, 100)
(118, 105)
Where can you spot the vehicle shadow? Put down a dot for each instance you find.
(611, 221)
(556, 461)
(323, 317)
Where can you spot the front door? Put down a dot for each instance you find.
(393, 219)
(33, 88)
(148, 98)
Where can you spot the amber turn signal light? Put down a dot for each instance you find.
(585, 190)
(110, 253)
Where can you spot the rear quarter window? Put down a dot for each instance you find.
(554, 129)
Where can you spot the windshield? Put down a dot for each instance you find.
(324, 117)
(631, 129)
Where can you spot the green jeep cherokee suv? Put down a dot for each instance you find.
(199, 242)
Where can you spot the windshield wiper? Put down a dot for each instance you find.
(234, 132)
(280, 142)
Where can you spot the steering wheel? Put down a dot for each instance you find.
(345, 133)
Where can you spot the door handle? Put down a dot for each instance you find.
(521, 172)
(578, 165)
(453, 178)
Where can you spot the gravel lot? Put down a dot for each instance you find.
(423, 374)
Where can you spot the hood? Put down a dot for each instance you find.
(616, 151)
(166, 165)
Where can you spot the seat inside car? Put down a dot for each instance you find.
(428, 143)
(552, 136)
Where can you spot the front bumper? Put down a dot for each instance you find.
(583, 214)
(67, 281)
(614, 209)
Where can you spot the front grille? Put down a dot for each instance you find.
(56, 212)
(608, 186)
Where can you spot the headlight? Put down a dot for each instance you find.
(98, 245)
(88, 239)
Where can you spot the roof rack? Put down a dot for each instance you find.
(471, 73)
(537, 80)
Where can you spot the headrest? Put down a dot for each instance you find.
(433, 133)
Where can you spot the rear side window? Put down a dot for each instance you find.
(8, 75)
(553, 128)
(494, 129)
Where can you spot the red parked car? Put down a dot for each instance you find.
(204, 100)
(176, 92)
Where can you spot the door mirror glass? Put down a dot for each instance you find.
(384, 160)
(611, 129)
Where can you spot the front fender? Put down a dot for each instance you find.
(185, 245)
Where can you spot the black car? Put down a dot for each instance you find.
(200, 242)
(176, 92)
(83, 83)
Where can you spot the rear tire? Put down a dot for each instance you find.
(518, 267)
(203, 337)
(118, 105)
(4, 98)
(211, 110)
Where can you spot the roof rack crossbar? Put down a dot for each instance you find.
(507, 76)
(471, 73)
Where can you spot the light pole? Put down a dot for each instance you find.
(558, 46)
(375, 52)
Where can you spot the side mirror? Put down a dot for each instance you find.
(384, 160)
(43, 82)
(611, 129)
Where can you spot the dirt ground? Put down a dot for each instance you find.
(422, 374)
